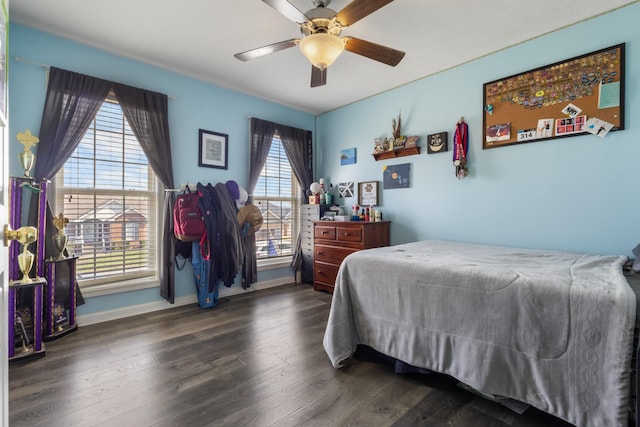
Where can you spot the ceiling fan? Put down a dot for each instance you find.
(321, 28)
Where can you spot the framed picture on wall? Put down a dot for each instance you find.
(348, 156)
(213, 149)
(396, 176)
(345, 189)
(437, 143)
(368, 193)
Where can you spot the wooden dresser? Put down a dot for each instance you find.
(334, 240)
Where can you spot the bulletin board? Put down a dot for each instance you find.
(568, 98)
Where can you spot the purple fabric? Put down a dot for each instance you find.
(234, 190)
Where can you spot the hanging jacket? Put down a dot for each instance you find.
(232, 241)
(223, 242)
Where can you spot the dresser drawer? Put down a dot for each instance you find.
(310, 212)
(349, 234)
(306, 234)
(325, 232)
(331, 254)
(325, 273)
(308, 251)
(310, 216)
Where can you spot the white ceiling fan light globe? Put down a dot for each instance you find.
(321, 49)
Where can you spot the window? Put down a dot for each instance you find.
(276, 196)
(108, 192)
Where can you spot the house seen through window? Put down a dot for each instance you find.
(276, 196)
(108, 192)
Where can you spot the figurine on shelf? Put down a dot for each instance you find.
(377, 146)
(399, 142)
(411, 141)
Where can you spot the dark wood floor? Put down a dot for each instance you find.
(256, 360)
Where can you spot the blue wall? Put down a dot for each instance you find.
(574, 193)
(197, 105)
(577, 193)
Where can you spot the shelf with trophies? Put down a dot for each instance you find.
(25, 292)
(47, 312)
(25, 299)
(60, 298)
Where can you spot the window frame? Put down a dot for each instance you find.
(132, 281)
(273, 262)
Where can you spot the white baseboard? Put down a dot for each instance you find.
(132, 310)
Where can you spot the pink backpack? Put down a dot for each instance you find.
(188, 224)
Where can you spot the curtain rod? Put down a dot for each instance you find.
(26, 61)
(47, 67)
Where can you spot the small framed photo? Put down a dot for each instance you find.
(368, 193)
(213, 149)
(348, 156)
(345, 189)
(437, 143)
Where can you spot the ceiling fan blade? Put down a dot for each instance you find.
(358, 9)
(265, 50)
(318, 76)
(288, 10)
(374, 51)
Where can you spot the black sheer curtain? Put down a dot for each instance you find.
(297, 145)
(147, 114)
(262, 133)
(71, 103)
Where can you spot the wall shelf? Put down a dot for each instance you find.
(396, 153)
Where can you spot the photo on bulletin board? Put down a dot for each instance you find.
(556, 100)
(396, 176)
(348, 156)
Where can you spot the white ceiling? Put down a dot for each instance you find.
(198, 38)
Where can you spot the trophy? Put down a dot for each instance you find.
(60, 239)
(25, 235)
(27, 158)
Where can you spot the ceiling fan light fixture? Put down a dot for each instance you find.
(321, 49)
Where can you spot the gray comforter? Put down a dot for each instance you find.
(551, 329)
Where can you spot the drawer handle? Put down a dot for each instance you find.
(320, 252)
(346, 234)
(325, 232)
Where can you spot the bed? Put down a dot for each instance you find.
(550, 329)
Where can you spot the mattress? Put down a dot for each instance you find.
(551, 329)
